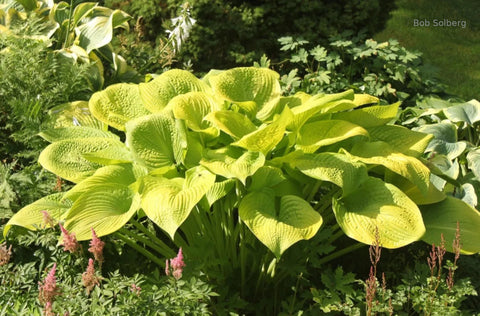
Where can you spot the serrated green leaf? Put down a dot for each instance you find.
(278, 225)
(379, 206)
(106, 208)
(441, 218)
(168, 202)
(117, 104)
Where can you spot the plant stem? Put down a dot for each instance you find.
(160, 244)
(337, 235)
(341, 252)
(65, 44)
(146, 242)
(140, 249)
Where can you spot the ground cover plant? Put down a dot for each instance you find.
(225, 164)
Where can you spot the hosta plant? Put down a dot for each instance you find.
(228, 161)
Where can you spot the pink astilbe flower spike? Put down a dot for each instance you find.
(176, 265)
(5, 254)
(48, 290)
(48, 220)
(96, 247)
(69, 240)
(167, 268)
(89, 279)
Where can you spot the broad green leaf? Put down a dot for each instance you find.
(234, 124)
(266, 137)
(370, 116)
(168, 202)
(404, 140)
(246, 84)
(219, 190)
(467, 194)
(74, 113)
(117, 104)
(31, 216)
(113, 174)
(29, 5)
(231, 162)
(413, 192)
(95, 33)
(312, 136)
(377, 205)
(72, 132)
(155, 140)
(278, 225)
(380, 153)
(441, 165)
(332, 167)
(441, 218)
(469, 112)
(193, 107)
(319, 103)
(111, 155)
(363, 99)
(65, 157)
(157, 93)
(473, 158)
(445, 139)
(276, 106)
(266, 176)
(105, 208)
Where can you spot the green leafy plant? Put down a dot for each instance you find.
(227, 162)
(386, 70)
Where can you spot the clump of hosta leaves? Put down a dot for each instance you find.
(230, 147)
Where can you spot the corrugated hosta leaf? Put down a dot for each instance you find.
(473, 158)
(156, 140)
(233, 162)
(441, 218)
(56, 134)
(312, 136)
(377, 205)
(106, 208)
(117, 104)
(332, 167)
(31, 216)
(157, 93)
(266, 137)
(469, 112)
(445, 139)
(380, 153)
(120, 174)
(279, 225)
(404, 140)
(266, 176)
(74, 113)
(65, 158)
(168, 202)
(376, 115)
(247, 84)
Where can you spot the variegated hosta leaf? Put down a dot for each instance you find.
(232, 123)
(231, 162)
(66, 159)
(380, 153)
(442, 218)
(312, 136)
(168, 202)
(31, 216)
(372, 116)
(56, 134)
(332, 167)
(247, 84)
(404, 140)
(156, 140)
(106, 208)
(117, 104)
(279, 225)
(115, 174)
(266, 137)
(74, 113)
(193, 107)
(379, 206)
(157, 93)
